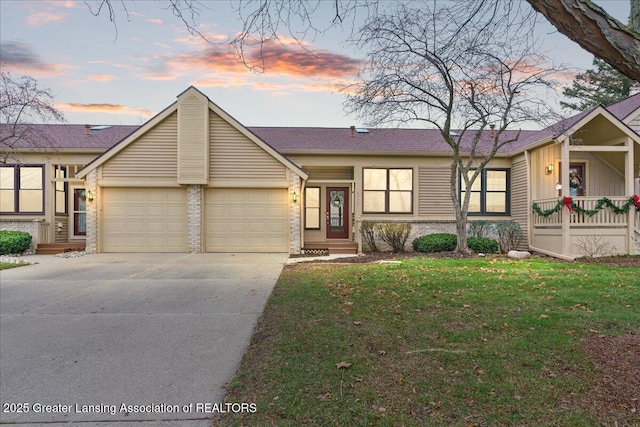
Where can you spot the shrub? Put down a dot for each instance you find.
(437, 242)
(480, 228)
(482, 244)
(509, 235)
(395, 235)
(14, 242)
(369, 235)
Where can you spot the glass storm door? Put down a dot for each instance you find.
(79, 212)
(337, 212)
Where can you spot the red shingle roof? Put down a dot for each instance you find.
(316, 139)
(61, 136)
(309, 140)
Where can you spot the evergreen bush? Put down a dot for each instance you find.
(14, 242)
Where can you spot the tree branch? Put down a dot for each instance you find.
(596, 31)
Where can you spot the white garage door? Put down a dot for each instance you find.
(246, 220)
(144, 220)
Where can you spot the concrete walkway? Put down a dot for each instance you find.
(160, 334)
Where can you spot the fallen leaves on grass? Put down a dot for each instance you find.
(616, 390)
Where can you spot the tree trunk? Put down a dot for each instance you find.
(596, 31)
(461, 207)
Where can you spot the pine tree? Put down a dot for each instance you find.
(602, 84)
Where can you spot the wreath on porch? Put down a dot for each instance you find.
(337, 200)
(601, 204)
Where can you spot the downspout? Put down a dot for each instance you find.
(302, 218)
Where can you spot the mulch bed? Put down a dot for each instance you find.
(615, 391)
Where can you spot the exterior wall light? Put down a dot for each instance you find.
(549, 169)
(294, 196)
(90, 196)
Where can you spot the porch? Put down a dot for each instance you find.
(579, 226)
(331, 247)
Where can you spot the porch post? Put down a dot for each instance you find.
(564, 173)
(530, 229)
(628, 184)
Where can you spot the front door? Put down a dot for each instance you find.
(79, 212)
(338, 212)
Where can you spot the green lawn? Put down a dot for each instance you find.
(8, 265)
(486, 342)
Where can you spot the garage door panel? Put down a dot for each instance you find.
(246, 220)
(144, 220)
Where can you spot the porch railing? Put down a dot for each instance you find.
(603, 218)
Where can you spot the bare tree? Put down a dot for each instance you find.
(264, 20)
(22, 102)
(463, 71)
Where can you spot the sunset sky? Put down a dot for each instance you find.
(100, 77)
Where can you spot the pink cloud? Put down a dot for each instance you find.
(42, 18)
(102, 77)
(291, 60)
(104, 108)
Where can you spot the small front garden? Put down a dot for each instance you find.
(438, 341)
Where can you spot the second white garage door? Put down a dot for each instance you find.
(144, 220)
(246, 220)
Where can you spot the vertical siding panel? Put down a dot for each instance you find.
(193, 138)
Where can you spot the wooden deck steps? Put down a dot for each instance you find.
(58, 248)
(331, 248)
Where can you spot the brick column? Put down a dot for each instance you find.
(295, 222)
(194, 218)
(91, 184)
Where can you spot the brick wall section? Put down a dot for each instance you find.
(294, 215)
(91, 184)
(194, 218)
(417, 229)
(31, 226)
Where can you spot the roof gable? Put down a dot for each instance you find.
(155, 121)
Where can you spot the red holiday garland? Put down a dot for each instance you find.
(567, 202)
(636, 201)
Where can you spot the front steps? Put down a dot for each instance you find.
(331, 248)
(58, 248)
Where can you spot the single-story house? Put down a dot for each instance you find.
(194, 179)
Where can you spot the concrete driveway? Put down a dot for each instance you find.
(160, 334)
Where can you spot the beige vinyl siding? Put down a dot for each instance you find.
(600, 179)
(143, 220)
(434, 192)
(234, 156)
(246, 220)
(519, 202)
(635, 123)
(193, 139)
(153, 155)
(61, 234)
